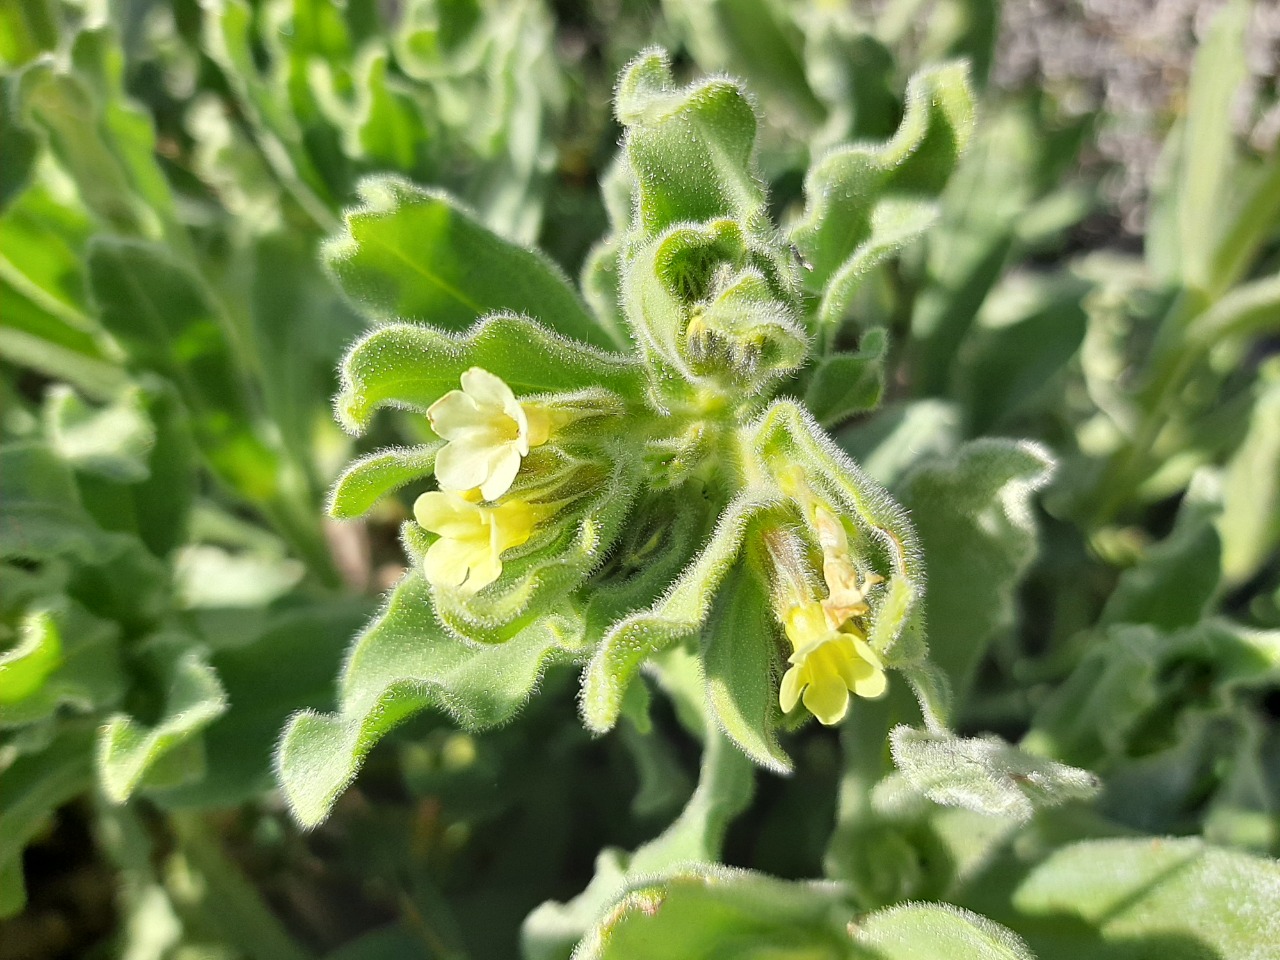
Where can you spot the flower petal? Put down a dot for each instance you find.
(793, 682)
(502, 467)
(827, 698)
(456, 413)
(441, 566)
(487, 390)
(444, 513)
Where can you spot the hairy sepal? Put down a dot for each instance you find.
(538, 577)
(677, 616)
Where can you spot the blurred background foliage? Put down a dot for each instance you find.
(1102, 278)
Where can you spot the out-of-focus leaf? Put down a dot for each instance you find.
(704, 910)
(902, 437)
(35, 785)
(1026, 333)
(27, 29)
(843, 384)
(401, 664)
(67, 658)
(128, 750)
(754, 39)
(1209, 142)
(164, 317)
(914, 931)
(20, 145)
(1167, 897)
(724, 789)
(410, 254)
(1249, 525)
(40, 510)
(113, 441)
(1175, 581)
(290, 664)
(985, 774)
(977, 530)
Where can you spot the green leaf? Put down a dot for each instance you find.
(26, 665)
(678, 615)
(372, 477)
(1249, 525)
(976, 526)
(410, 254)
(918, 930)
(690, 150)
(35, 785)
(41, 515)
(741, 664)
(20, 145)
(706, 910)
(410, 366)
(128, 750)
(985, 774)
(1175, 581)
(288, 664)
(724, 790)
(113, 441)
(1150, 896)
(1209, 141)
(400, 664)
(844, 384)
(163, 316)
(864, 203)
(67, 658)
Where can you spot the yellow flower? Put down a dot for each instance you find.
(827, 665)
(468, 554)
(488, 432)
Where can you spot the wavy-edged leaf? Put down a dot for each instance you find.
(975, 522)
(410, 366)
(412, 254)
(691, 150)
(402, 663)
(679, 614)
(865, 202)
(128, 751)
(917, 930)
(369, 479)
(985, 774)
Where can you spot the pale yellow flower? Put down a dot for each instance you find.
(472, 537)
(488, 431)
(827, 664)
